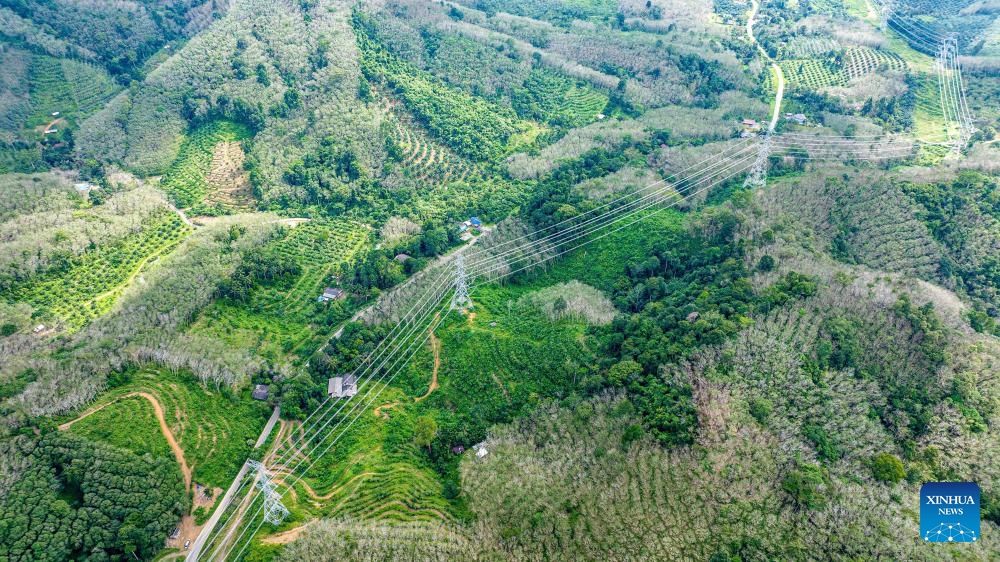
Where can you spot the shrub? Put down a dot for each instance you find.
(806, 485)
(624, 372)
(766, 263)
(760, 409)
(888, 468)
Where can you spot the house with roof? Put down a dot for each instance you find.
(331, 294)
(401, 258)
(342, 387)
(750, 124)
(475, 222)
(480, 449)
(799, 118)
(259, 392)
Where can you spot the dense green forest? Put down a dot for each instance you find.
(731, 267)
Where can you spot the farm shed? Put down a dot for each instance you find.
(342, 387)
(259, 392)
(331, 294)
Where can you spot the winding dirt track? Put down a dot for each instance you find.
(436, 348)
(158, 410)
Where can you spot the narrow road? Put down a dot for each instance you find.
(158, 410)
(199, 542)
(220, 508)
(268, 427)
(436, 348)
(774, 66)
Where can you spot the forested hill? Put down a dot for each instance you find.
(688, 334)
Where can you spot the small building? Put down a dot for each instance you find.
(693, 316)
(480, 450)
(799, 118)
(475, 222)
(750, 124)
(50, 131)
(331, 294)
(600, 116)
(55, 114)
(39, 329)
(342, 387)
(458, 449)
(463, 227)
(259, 392)
(401, 258)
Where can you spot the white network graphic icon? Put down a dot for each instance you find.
(950, 532)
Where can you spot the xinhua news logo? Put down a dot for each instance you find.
(949, 512)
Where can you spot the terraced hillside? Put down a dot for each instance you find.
(286, 318)
(192, 180)
(371, 474)
(215, 428)
(87, 285)
(423, 159)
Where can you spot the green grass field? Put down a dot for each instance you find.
(215, 429)
(929, 122)
(129, 424)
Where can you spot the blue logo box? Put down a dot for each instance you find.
(949, 512)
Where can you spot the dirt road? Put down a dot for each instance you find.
(436, 348)
(164, 428)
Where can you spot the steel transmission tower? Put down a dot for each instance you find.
(461, 297)
(274, 511)
(757, 177)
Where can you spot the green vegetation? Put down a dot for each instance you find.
(80, 288)
(471, 126)
(130, 423)
(964, 214)
(888, 468)
(772, 370)
(838, 68)
(186, 181)
(46, 99)
(278, 314)
(559, 12)
(215, 428)
(806, 486)
(85, 501)
(558, 100)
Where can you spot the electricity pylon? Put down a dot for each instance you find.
(757, 177)
(274, 511)
(461, 297)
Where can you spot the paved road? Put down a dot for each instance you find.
(227, 498)
(206, 531)
(267, 428)
(774, 66)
